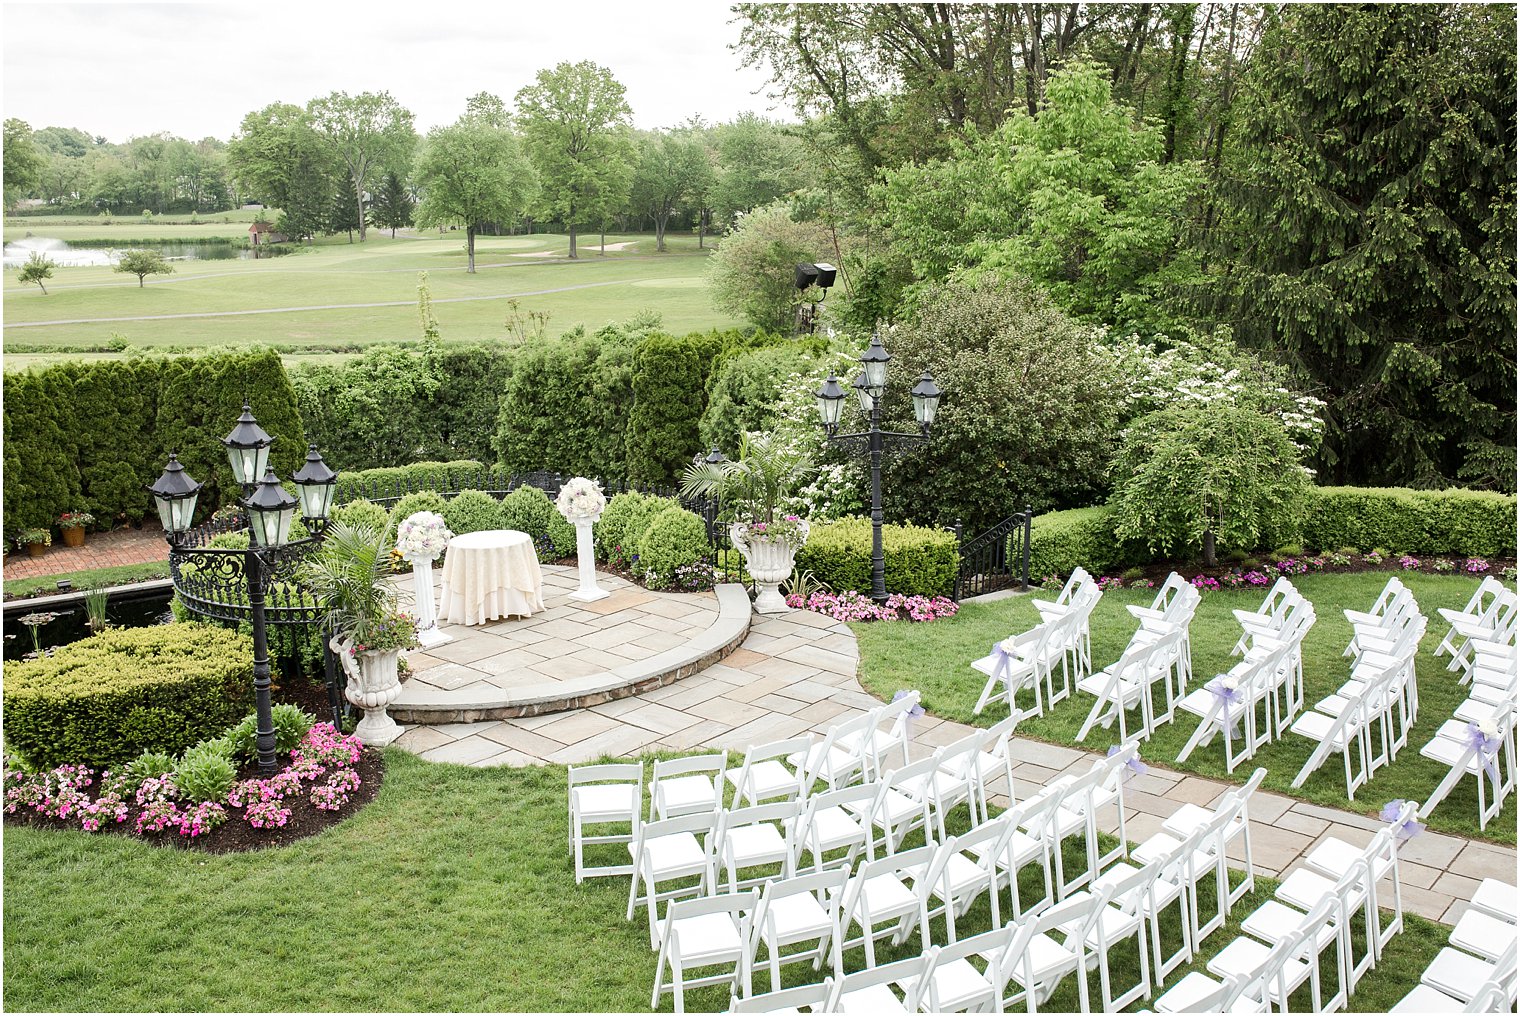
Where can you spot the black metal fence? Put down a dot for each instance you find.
(996, 559)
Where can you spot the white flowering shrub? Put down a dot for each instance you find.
(831, 489)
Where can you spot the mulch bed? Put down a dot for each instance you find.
(236, 835)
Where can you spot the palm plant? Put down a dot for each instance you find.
(346, 575)
(754, 487)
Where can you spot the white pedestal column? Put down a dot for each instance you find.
(586, 558)
(427, 614)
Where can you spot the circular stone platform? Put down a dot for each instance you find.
(571, 654)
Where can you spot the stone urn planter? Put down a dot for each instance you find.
(373, 684)
(769, 562)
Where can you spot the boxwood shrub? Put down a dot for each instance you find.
(623, 522)
(673, 539)
(529, 510)
(422, 501)
(106, 699)
(919, 561)
(1062, 541)
(473, 511)
(361, 513)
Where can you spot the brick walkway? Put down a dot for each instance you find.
(100, 550)
(796, 673)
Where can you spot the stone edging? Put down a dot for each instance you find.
(633, 678)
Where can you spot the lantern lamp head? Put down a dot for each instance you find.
(248, 449)
(270, 512)
(830, 402)
(316, 483)
(875, 360)
(926, 396)
(174, 495)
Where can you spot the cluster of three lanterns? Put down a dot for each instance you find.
(870, 385)
(271, 510)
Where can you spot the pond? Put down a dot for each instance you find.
(66, 255)
(127, 609)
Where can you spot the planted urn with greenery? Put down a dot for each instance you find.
(72, 524)
(346, 576)
(753, 493)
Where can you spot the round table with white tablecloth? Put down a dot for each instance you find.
(489, 574)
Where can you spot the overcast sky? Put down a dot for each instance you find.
(195, 68)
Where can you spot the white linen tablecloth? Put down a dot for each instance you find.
(489, 574)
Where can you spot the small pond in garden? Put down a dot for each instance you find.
(127, 609)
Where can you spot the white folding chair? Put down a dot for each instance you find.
(1036, 961)
(962, 870)
(869, 991)
(1016, 662)
(1171, 886)
(1234, 714)
(1346, 732)
(1128, 684)
(953, 983)
(879, 892)
(878, 747)
(667, 850)
(686, 786)
(1498, 899)
(804, 909)
(1494, 770)
(905, 803)
(1276, 919)
(764, 776)
(1123, 916)
(703, 932)
(829, 760)
(1461, 975)
(815, 997)
(830, 821)
(610, 794)
(1023, 846)
(1282, 966)
(992, 761)
(1198, 992)
(953, 779)
(753, 837)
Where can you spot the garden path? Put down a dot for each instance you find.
(795, 673)
(101, 550)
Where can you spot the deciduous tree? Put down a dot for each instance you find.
(472, 172)
(672, 166)
(365, 132)
(37, 269)
(143, 263)
(575, 124)
(24, 162)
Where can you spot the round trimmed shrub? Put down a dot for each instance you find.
(106, 699)
(529, 510)
(360, 513)
(673, 539)
(473, 511)
(608, 532)
(422, 501)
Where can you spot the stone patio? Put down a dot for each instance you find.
(572, 654)
(795, 673)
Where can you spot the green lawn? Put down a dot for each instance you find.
(90, 578)
(935, 659)
(452, 891)
(589, 291)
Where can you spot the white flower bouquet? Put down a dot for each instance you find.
(423, 536)
(581, 498)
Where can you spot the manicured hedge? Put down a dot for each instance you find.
(919, 561)
(673, 539)
(92, 435)
(398, 481)
(1399, 520)
(669, 391)
(1412, 521)
(105, 699)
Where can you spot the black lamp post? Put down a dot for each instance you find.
(709, 505)
(870, 387)
(271, 512)
(821, 275)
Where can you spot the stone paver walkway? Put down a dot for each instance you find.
(796, 673)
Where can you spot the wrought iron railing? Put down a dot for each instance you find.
(996, 559)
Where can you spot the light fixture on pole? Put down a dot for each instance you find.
(174, 494)
(870, 389)
(316, 483)
(805, 276)
(248, 450)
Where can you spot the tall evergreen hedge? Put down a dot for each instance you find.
(92, 435)
(669, 393)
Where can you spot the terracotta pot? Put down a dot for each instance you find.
(36, 549)
(74, 537)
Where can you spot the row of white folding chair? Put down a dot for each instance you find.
(1460, 980)
(1217, 829)
(1238, 705)
(1489, 617)
(1346, 722)
(1491, 763)
(1392, 610)
(1130, 682)
(1027, 660)
(1174, 606)
(1283, 617)
(1076, 603)
(1376, 650)
(858, 749)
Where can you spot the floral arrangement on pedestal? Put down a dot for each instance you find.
(423, 536)
(581, 498)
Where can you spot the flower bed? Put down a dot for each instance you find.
(856, 606)
(328, 777)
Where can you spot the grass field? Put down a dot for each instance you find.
(92, 578)
(935, 659)
(452, 891)
(369, 290)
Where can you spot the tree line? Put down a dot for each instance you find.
(563, 155)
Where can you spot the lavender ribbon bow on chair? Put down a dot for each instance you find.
(1406, 830)
(1487, 747)
(1134, 765)
(1228, 695)
(914, 711)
